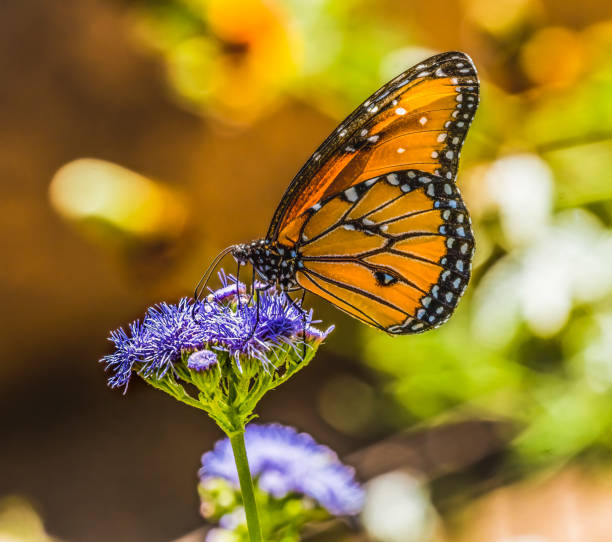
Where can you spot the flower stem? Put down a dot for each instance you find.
(246, 486)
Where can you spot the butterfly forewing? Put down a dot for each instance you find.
(394, 251)
(418, 120)
(374, 222)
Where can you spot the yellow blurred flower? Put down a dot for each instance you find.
(238, 68)
(501, 16)
(88, 189)
(554, 56)
(19, 522)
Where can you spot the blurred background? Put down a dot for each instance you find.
(140, 137)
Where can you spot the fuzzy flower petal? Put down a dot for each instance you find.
(227, 320)
(255, 327)
(284, 461)
(171, 330)
(130, 350)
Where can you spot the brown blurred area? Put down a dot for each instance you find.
(96, 464)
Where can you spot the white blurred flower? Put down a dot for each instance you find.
(221, 535)
(571, 262)
(521, 187)
(233, 519)
(397, 509)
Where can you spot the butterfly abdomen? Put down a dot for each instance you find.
(275, 263)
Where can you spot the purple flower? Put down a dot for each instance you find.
(285, 462)
(170, 330)
(201, 360)
(129, 350)
(227, 320)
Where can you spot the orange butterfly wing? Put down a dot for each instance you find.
(418, 120)
(394, 251)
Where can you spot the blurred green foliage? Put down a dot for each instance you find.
(530, 343)
(236, 59)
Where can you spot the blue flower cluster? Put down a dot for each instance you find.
(285, 462)
(225, 322)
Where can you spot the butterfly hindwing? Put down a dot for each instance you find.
(394, 251)
(374, 221)
(418, 120)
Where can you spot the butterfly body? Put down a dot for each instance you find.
(275, 264)
(374, 221)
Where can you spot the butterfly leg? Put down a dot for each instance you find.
(299, 307)
(303, 324)
(238, 286)
(255, 295)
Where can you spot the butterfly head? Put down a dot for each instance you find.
(275, 264)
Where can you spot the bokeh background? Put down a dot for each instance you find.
(140, 137)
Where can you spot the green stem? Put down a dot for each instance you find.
(246, 486)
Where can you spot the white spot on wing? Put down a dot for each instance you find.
(393, 179)
(351, 194)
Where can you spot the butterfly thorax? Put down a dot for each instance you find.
(276, 264)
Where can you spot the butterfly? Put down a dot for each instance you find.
(374, 222)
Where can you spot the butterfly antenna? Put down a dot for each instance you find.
(203, 282)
